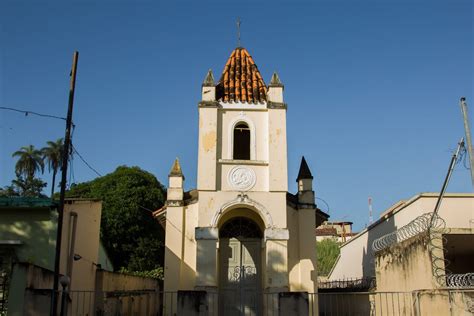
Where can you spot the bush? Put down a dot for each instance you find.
(327, 252)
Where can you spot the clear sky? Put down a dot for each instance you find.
(372, 86)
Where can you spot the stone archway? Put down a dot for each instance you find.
(243, 201)
(240, 266)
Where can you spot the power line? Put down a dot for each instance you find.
(90, 167)
(327, 205)
(32, 112)
(84, 161)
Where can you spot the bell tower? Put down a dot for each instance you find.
(242, 122)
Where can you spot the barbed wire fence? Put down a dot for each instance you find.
(434, 227)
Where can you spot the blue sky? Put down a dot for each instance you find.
(372, 86)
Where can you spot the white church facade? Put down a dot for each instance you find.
(241, 233)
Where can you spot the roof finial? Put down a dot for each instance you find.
(209, 80)
(238, 32)
(176, 169)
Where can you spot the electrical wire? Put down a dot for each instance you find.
(74, 150)
(84, 161)
(327, 205)
(26, 112)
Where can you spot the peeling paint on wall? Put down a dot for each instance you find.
(209, 141)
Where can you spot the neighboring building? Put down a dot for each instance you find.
(28, 236)
(357, 259)
(339, 231)
(241, 232)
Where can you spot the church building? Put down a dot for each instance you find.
(241, 234)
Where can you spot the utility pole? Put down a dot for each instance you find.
(468, 137)
(65, 158)
(446, 181)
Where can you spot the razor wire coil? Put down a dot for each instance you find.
(413, 228)
(460, 280)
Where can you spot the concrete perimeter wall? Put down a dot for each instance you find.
(31, 287)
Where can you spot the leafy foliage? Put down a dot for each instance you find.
(327, 252)
(30, 160)
(155, 273)
(52, 154)
(8, 191)
(131, 236)
(26, 187)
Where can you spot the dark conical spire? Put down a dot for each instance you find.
(304, 172)
(209, 80)
(275, 81)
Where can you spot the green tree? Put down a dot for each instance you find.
(8, 191)
(28, 187)
(132, 237)
(327, 252)
(30, 160)
(52, 154)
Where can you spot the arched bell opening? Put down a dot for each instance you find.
(240, 263)
(241, 141)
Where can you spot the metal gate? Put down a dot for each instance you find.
(239, 290)
(5, 275)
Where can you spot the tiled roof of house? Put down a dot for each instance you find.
(27, 202)
(325, 231)
(241, 80)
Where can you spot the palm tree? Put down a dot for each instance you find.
(30, 160)
(53, 155)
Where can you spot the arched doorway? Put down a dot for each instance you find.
(240, 266)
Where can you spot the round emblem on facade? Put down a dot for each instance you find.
(242, 178)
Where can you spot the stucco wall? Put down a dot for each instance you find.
(406, 266)
(30, 290)
(35, 228)
(87, 241)
(356, 259)
(110, 281)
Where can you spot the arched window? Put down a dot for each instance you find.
(242, 141)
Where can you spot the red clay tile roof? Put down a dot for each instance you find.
(241, 80)
(329, 231)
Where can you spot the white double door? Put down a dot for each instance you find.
(240, 277)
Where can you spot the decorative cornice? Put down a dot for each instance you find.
(306, 206)
(276, 105)
(171, 203)
(276, 234)
(206, 233)
(208, 104)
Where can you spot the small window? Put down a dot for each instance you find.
(242, 142)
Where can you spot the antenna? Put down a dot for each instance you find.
(238, 32)
(371, 219)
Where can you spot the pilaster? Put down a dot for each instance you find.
(276, 260)
(206, 263)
